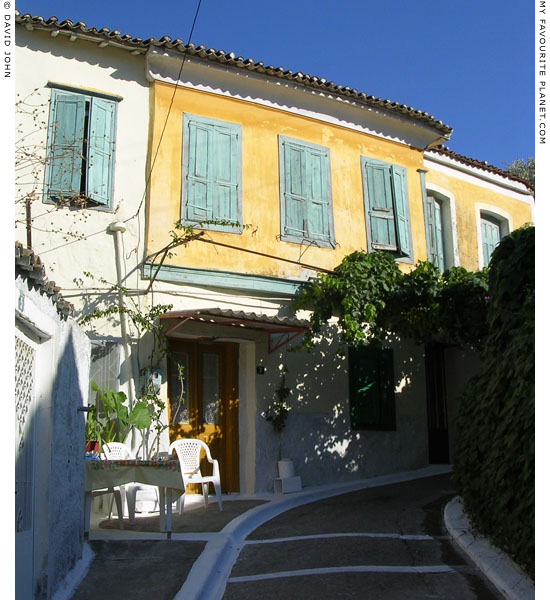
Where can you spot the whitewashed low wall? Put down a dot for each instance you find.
(61, 388)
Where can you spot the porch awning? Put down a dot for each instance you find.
(281, 330)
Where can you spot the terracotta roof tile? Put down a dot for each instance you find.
(480, 164)
(28, 265)
(229, 58)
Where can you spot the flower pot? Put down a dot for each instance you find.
(286, 468)
(92, 447)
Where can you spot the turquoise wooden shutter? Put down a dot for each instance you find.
(430, 229)
(379, 206)
(199, 198)
(435, 233)
(439, 247)
(317, 194)
(212, 172)
(66, 142)
(224, 168)
(101, 144)
(490, 237)
(295, 199)
(401, 208)
(371, 388)
(306, 204)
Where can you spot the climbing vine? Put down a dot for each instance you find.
(371, 298)
(147, 321)
(491, 310)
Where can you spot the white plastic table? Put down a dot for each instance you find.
(165, 474)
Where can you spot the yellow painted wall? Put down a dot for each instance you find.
(260, 188)
(467, 196)
(260, 184)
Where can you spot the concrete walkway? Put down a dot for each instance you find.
(346, 538)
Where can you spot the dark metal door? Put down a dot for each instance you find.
(436, 396)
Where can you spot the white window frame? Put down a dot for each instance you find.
(449, 223)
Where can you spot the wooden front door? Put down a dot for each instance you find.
(203, 401)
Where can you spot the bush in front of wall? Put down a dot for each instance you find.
(494, 466)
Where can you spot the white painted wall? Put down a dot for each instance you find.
(317, 435)
(61, 387)
(73, 241)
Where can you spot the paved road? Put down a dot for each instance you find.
(385, 543)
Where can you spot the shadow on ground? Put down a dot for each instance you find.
(138, 569)
(198, 520)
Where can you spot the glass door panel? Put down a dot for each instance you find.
(210, 389)
(179, 388)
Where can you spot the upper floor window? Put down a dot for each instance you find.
(493, 223)
(211, 189)
(491, 234)
(434, 226)
(305, 188)
(81, 149)
(386, 208)
(441, 235)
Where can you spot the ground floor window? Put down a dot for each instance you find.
(104, 367)
(371, 388)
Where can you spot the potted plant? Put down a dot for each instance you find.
(110, 420)
(276, 414)
(92, 431)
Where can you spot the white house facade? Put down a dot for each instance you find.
(310, 172)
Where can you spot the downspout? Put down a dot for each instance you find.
(118, 228)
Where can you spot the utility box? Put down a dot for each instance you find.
(286, 485)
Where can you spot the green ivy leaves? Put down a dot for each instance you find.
(495, 465)
(370, 297)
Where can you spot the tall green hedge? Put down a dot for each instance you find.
(494, 467)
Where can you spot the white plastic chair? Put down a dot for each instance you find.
(188, 452)
(119, 451)
(114, 451)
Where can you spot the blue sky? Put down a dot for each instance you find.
(468, 63)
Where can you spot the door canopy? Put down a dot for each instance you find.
(280, 330)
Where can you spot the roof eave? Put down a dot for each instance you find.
(105, 37)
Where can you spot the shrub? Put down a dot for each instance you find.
(494, 467)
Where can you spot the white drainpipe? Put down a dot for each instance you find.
(118, 228)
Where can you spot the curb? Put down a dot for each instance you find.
(504, 574)
(208, 576)
(75, 576)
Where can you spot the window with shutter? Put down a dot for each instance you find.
(490, 236)
(211, 174)
(371, 388)
(434, 228)
(305, 188)
(386, 207)
(81, 149)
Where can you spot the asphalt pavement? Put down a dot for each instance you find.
(383, 539)
(381, 543)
